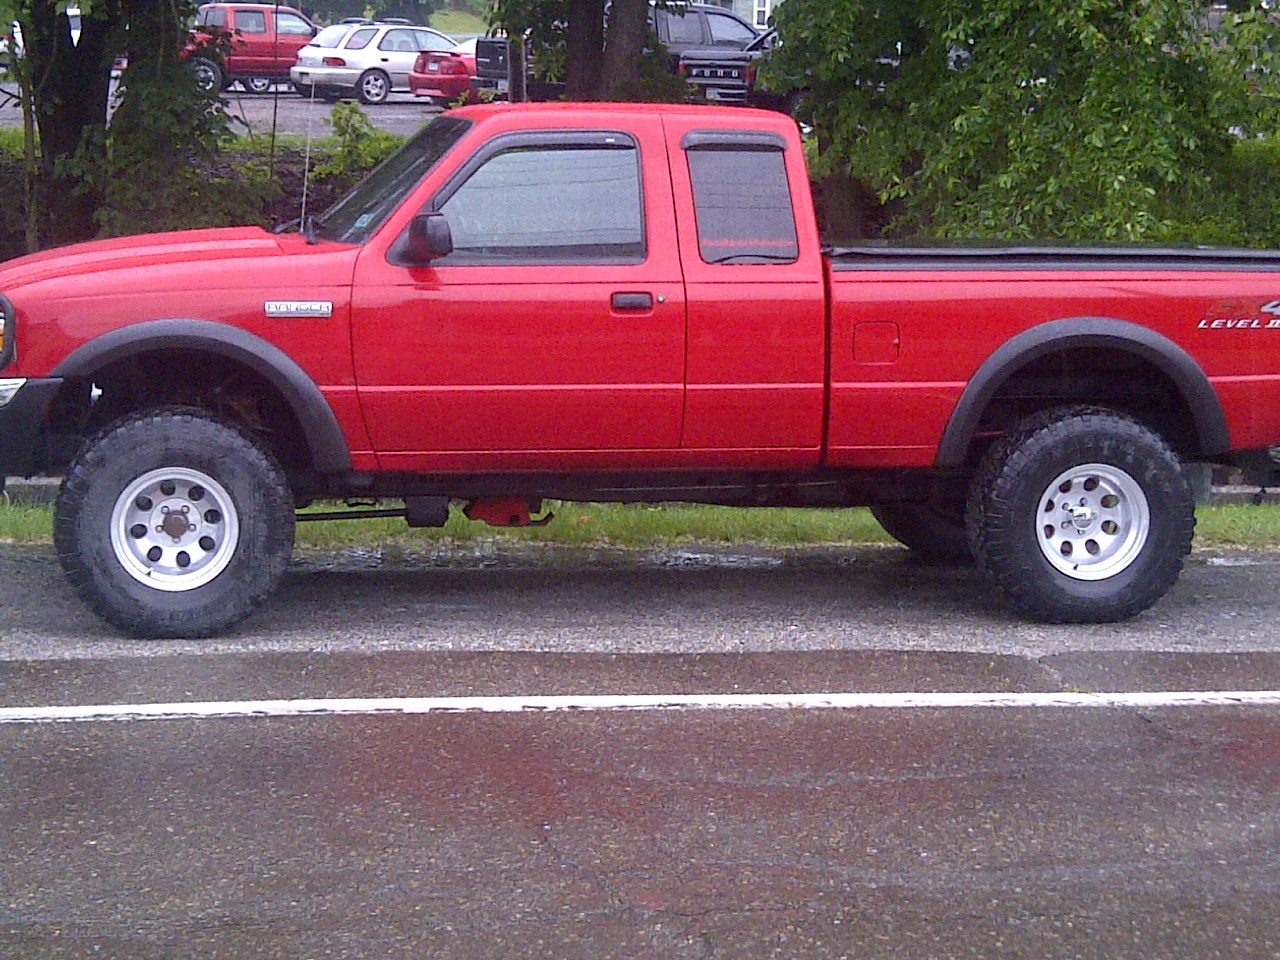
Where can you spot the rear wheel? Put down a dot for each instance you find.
(174, 524)
(374, 86)
(1081, 516)
(256, 85)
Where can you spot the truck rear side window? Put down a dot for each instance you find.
(741, 198)
(555, 203)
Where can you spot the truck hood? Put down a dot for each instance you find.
(147, 253)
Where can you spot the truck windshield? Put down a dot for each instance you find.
(355, 217)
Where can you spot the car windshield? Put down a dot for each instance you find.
(358, 214)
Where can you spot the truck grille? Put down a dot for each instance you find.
(715, 73)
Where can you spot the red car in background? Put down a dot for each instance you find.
(444, 75)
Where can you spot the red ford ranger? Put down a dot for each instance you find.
(623, 303)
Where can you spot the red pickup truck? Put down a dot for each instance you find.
(623, 303)
(259, 44)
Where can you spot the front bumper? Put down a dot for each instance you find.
(22, 426)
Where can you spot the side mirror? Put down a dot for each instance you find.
(429, 238)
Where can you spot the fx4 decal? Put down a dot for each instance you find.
(1242, 315)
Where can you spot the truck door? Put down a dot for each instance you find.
(756, 297)
(553, 336)
(252, 46)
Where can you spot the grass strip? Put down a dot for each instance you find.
(627, 525)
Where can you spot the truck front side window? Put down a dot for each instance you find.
(550, 204)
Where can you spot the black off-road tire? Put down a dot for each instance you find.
(1081, 515)
(172, 523)
(930, 531)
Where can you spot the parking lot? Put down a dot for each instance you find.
(282, 110)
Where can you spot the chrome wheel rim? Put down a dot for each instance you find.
(374, 88)
(1093, 522)
(206, 81)
(174, 529)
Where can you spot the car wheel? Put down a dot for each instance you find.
(1081, 515)
(208, 75)
(172, 523)
(256, 85)
(374, 86)
(933, 532)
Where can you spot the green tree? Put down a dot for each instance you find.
(153, 164)
(64, 87)
(1081, 119)
(331, 11)
(597, 57)
(83, 177)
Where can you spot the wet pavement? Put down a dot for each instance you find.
(1028, 831)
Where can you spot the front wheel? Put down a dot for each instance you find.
(174, 524)
(256, 85)
(374, 86)
(208, 75)
(1081, 515)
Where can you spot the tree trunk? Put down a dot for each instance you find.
(517, 69)
(624, 46)
(585, 50)
(69, 88)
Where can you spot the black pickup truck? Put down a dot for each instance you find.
(732, 77)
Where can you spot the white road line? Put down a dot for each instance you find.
(588, 704)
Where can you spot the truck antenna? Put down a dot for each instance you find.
(306, 168)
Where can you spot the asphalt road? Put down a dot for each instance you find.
(381, 828)
(285, 112)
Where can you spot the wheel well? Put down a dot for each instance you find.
(210, 381)
(1104, 376)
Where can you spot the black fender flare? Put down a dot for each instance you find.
(1084, 332)
(329, 450)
